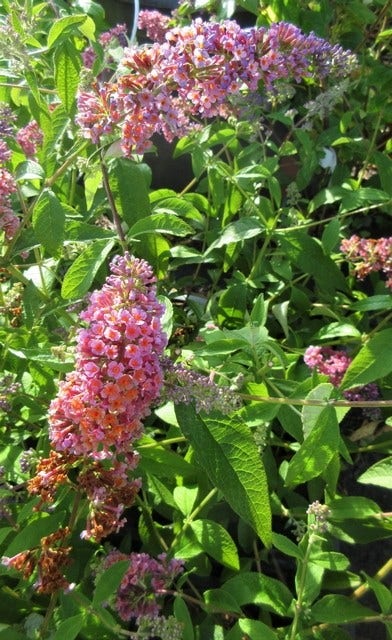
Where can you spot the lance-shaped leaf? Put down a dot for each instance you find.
(317, 451)
(227, 452)
(371, 363)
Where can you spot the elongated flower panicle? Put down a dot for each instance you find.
(98, 411)
(101, 404)
(200, 71)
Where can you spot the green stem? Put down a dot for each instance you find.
(150, 523)
(301, 588)
(112, 204)
(319, 403)
(68, 162)
(162, 443)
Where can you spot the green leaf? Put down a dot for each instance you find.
(69, 628)
(337, 609)
(317, 451)
(109, 581)
(311, 413)
(287, 546)
(82, 272)
(226, 450)
(219, 600)
(373, 303)
(353, 508)
(129, 183)
(162, 222)
(45, 357)
(63, 27)
(215, 541)
(29, 170)
(256, 588)
(382, 593)
(30, 536)
(67, 65)
(379, 474)
(332, 560)
(182, 614)
(307, 253)
(237, 231)
(48, 221)
(248, 628)
(161, 462)
(185, 498)
(370, 363)
(361, 198)
(337, 330)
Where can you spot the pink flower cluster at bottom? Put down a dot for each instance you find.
(144, 582)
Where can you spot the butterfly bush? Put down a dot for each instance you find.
(200, 71)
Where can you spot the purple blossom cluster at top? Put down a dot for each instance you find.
(369, 255)
(143, 583)
(200, 71)
(333, 364)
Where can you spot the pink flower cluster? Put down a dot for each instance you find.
(30, 138)
(200, 71)
(154, 23)
(333, 364)
(101, 404)
(9, 222)
(98, 411)
(368, 255)
(144, 582)
(328, 362)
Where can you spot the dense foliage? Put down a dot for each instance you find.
(196, 275)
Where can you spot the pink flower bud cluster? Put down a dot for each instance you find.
(333, 364)
(200, 71)
(154, 23)
(144, 582)
(30, 138)
(101, 404)
(368, 255)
